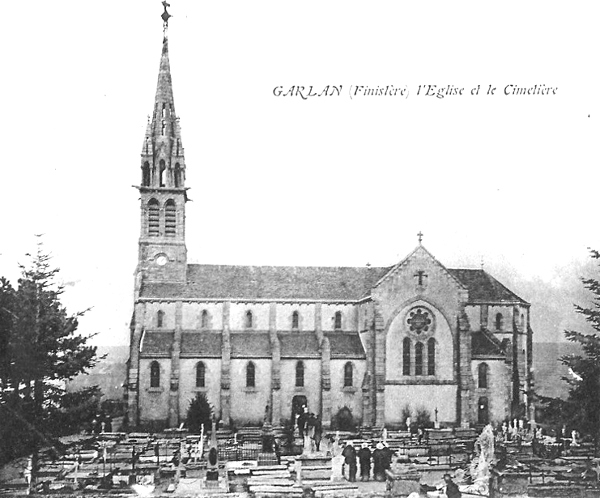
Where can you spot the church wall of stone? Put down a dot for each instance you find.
(192, 315)
(311, 389)
(347, 396)
(154, 401)
(187, 383)
(428, 397)
(151, 315)
(248, 403)
(401, 288)
(349, 316)
(498, 392)
(260, 316)
(306, 316)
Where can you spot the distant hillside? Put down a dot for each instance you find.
(548, 370)
(109, 374)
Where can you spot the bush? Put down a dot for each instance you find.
(406, 413)
(423, 418)
(199, 414)
(343, 420)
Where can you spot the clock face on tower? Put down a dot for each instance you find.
(161, 259)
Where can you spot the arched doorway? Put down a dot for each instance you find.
(483, 416)
(298, 404)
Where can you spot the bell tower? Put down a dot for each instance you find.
(162, 251)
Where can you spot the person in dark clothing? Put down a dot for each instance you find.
(302, 419)
(379, 464)
(364, 457)
(387, 463)
(318, 432)
(452, 490)
(350, 461)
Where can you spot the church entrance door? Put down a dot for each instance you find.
(298, 404)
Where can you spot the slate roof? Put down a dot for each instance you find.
(321, 283)
(250, 345)
(299, 345)
(346, 346)
(201, 344)
(483, 343)
(484, 288)
(270, 282)
(156, 344)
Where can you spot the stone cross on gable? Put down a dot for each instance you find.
(420, 276)
(420, 236)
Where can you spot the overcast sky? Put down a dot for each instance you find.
(510, 180)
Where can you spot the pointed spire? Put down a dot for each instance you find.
(163, 164)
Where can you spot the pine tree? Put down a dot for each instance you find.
(581, 411)
(39, 351)
(199, 414)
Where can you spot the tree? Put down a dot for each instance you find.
(39, 351)
(199, 414)
(581, 410)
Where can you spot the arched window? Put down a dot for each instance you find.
(250, 375)
(337, 322)
(419, 358)
(348, 374)
(154, 374)
(204, 319)
(161, 172)
(146, 175)
(299, 374)
(482, 375)
(177, 176)
(499, 321)
(249, 320)
(431, 356)
(295, 320)
(200, 375)
(153, 218)
(522, 322)
(406, 356)
(170, 218)
(160, 319)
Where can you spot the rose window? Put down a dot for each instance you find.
(419, 320)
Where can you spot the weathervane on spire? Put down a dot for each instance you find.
(165, 15)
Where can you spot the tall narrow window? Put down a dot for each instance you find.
(200, 375)
(295, 320)
(419, 358)
(249, 320)
(431, 356)
(499, 321)
(482, 375)
(153, 218)
(299, 374)
(250, 375)
(160, 319)
(348, 374)
(204, 319)
(146, 175)
(170, 218)
(522, 322)
(154, 374)
(161, 173)
(337, 321)
(177, 176)
(406, 356)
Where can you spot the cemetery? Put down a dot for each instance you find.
(270, 462)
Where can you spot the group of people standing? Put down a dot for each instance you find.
(381, 457)
(310, 426)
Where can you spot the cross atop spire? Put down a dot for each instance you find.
(420, 237)
(165, 17)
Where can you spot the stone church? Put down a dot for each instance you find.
(263, 341)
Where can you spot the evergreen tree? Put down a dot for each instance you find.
(39, 351)
(199, 414)
(581, 410)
